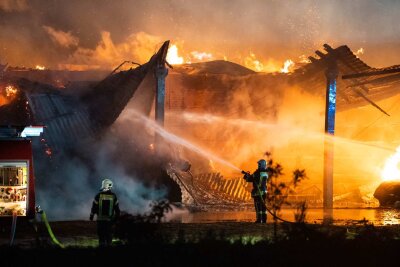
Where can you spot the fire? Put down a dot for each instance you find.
(304, 59)
(391, 170)
(287, 66)
(11, 91)
(360, 51)
(173, 57)
(7, 94)
(201, 56)
(253, 63)
(39, 67)
(270, 65)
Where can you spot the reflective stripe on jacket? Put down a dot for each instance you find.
(106, 206)
(259, 179)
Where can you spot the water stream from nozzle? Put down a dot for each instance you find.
(181, 141)
(293, 130)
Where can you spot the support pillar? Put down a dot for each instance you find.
(330, 112)
(160, 72)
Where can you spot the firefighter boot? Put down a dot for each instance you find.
(264, 218)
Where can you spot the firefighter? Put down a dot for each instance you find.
(105, 206)
(259, 193)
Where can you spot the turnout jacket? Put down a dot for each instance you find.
(106, 206)
(259, 179)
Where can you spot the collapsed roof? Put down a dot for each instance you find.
(351, 93)
(70, 117)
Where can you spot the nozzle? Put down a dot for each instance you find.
(244, 172)
(38, 209)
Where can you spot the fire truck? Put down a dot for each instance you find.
(17, 181)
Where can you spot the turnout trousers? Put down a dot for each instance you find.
(261, 208)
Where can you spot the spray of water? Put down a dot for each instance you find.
(293, 131)
(151, 124)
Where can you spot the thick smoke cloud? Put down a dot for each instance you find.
(70, 182)
(272, 30)
(13, 5)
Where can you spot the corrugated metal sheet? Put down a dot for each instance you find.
(66, 121)
(312, 78)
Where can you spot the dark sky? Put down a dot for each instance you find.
(272, 29)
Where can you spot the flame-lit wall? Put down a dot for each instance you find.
(240, 118)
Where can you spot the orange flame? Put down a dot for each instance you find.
(253, 63)
(8, 93)
(201, 56)
(304, 59)
(287, 66)
(173, 57)
(39, 67)
(390, 171)
(359, 52)
(11, 91)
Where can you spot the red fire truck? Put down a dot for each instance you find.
(17, 181)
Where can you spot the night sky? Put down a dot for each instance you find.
(54, 32)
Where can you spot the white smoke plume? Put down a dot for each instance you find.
(107, 54)
(64, 39)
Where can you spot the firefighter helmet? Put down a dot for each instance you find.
(106, 184)
(262, 164)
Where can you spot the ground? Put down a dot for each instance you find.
(204, 244)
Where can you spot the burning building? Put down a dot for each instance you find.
(218, 105)
(219, 92)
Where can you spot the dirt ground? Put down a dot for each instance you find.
(203, 244)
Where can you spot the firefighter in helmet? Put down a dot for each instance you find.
(105, 206)
(259, 193)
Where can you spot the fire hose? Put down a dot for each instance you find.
(46, 222)
(13, 227)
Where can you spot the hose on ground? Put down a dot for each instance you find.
(46, 222)
(13, 227)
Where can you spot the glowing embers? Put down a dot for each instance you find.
(47, 150)
(10, 91)
(13, 188)
(391, 170)
(39, 67)
(151, 147)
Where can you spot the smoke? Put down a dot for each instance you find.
(64, 39)
(244, 117)
(13, 5)
(272, 30)
(101, 34)
(76, 178)
(137, 47)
